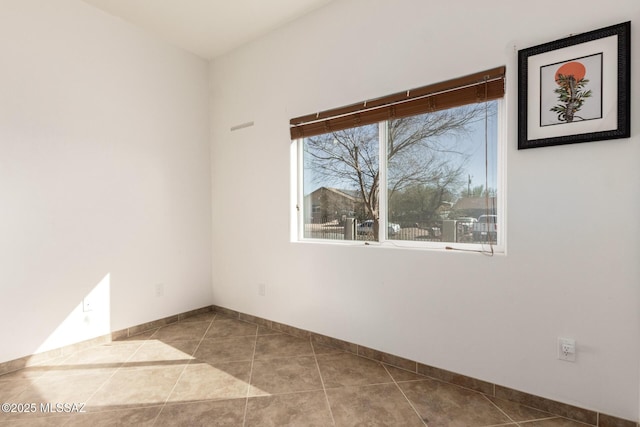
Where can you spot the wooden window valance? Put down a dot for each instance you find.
(479, 87)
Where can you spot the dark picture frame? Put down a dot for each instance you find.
(575, 89)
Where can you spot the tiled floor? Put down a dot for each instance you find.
(212, 370)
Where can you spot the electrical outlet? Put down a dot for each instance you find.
(262, 289)
(160, 289)
(86, 305)
(567, 349)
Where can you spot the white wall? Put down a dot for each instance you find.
(571, 267)
(104, 176)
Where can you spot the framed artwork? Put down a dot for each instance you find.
(575, 89)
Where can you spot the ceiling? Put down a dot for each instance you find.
(208, 28)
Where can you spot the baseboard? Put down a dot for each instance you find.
(40, 358)
(490, 389)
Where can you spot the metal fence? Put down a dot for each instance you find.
(440, 231)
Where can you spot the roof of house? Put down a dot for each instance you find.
(349, 194)
(467, 203)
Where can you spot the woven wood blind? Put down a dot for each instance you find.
(478, 87)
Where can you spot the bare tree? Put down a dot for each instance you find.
(415, 153)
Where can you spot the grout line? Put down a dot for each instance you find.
(492, 393)
(253, 357)
(112, 374)
(460, 386)
(499, 409)
(360, 385)
(404, 395)
(164, 404)
(502, 424)
(220, 311)
(284, 393)
(554, 417)
(298, 356)
(324, 389)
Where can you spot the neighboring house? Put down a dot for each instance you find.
(330, 204)
(474, 206)
(445, 209)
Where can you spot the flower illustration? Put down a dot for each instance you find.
(570, 91)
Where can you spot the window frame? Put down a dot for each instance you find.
(298, 230)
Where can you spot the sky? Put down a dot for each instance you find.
(472, 143)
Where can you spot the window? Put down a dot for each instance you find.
(419, 168)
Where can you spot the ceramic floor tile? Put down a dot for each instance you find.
(73, 390)
(225, 327)
(263, 330)
(11, 389)
(324, 349)
(203, 381)
(518, 412)
(382, 405)
(215, 370)
(225, 349)
(34, 370)
(402, 375)
(202, 317)
(155, 350)
(442, 404)
(56, 421)
(558, 409)
(142, 417)
(221, 413)
(26, 374)
(107, 356)
(84, 371)
(136, 387)
(292, 374)
(345, 369)
(140, 336)
(276, 346)
(297, 409)
(553, 422)
(182, 331)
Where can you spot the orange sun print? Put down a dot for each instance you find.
(573, 68)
